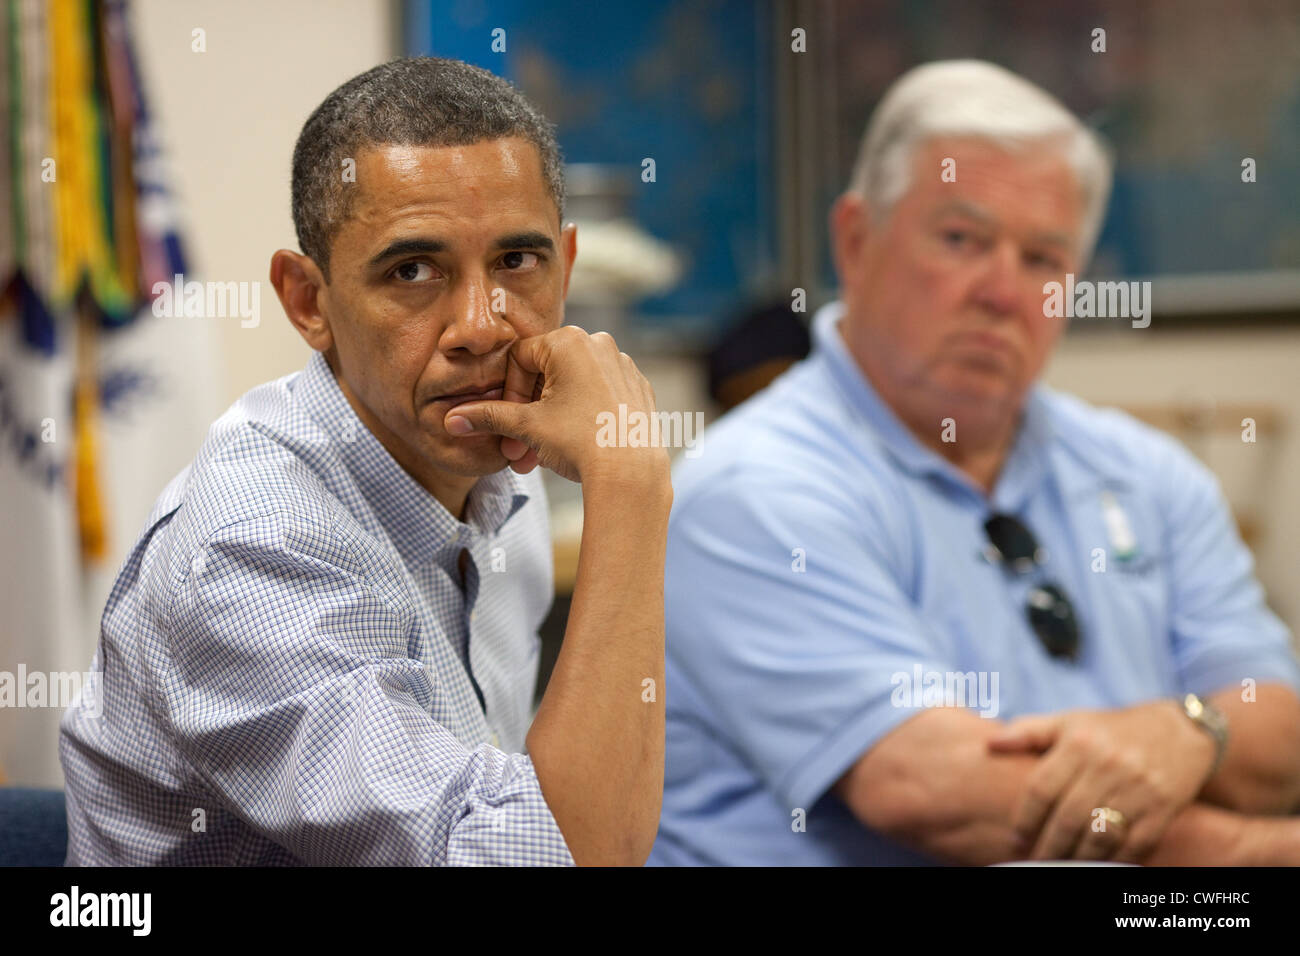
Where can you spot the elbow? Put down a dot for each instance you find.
(623, 850)
(626, 841)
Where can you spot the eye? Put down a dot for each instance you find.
(521, 261)
(960, 239)
(1038, 260)
(410, 272)
(966, 240)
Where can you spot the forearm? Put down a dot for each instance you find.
(1260, 772)
(948, 796)
(980, 832)
(1202, 835)
(940, 791)
(598, 739)
(933, 785)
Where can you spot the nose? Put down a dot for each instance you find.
(1001, 288)
(479, 324)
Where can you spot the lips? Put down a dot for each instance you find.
(486, 393)
(986, 340)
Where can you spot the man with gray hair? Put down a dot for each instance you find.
(922, 608)
(323, 647)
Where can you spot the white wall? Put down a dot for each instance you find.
(229, 118)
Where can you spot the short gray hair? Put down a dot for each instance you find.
(411, 101)
(981, 100)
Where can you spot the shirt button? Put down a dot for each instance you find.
(496, 741)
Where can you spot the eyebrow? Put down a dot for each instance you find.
(525, 240)
(979, 215)
(418, 245)
(407, 247)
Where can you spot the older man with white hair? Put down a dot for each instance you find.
(921, 607)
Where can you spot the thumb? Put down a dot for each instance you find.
(510, 419)
(1027, 734)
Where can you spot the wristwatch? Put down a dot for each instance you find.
(1210, 719)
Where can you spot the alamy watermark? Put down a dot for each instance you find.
(946, 689)
(59, 689)
(208, 300)
(1098, 300)
(638, 429)
(130, 910)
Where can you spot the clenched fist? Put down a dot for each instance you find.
(556, 387)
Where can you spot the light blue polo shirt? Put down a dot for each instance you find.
(817, 552)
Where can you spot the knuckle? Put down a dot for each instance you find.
(1084, 743)
(1040, 791)
(1159, 784)
(1132, 765)
(1124, 763)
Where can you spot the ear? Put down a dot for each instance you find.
(569, 250)
(300, 285)
(850, 226)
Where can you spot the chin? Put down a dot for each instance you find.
(470, 458)
(979, 388)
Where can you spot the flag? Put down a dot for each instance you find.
(101, 401)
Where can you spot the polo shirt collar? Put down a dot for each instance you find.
(416, 522)
(1022, 472)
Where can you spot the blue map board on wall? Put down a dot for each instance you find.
(1186, 94)
(685, 83)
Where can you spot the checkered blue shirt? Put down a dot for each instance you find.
(289, 671)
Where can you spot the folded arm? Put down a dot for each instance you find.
(1260, 772)
(934, 784)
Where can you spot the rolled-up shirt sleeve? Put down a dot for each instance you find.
(294, 701)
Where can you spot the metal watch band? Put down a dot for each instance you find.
(1210, 719)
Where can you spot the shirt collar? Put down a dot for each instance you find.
(1021, 472)
(416, 522)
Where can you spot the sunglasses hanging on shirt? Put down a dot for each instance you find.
(1050, 612)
